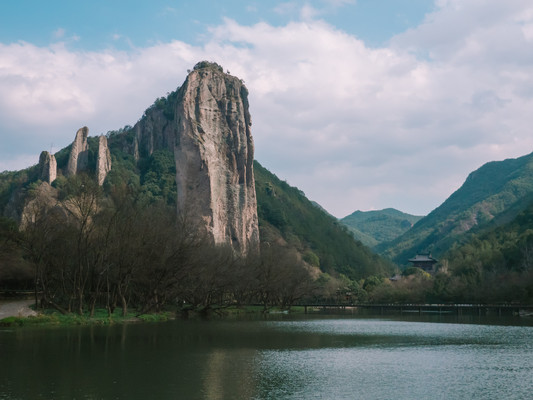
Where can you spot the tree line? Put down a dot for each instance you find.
(81, 249)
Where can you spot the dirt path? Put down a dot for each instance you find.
(16, 308)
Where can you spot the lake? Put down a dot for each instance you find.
(277, 357)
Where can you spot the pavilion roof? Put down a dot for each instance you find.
(423, 257)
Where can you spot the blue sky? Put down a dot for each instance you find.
(362, 104)
(121, 24)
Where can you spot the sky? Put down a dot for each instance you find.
(361, 104)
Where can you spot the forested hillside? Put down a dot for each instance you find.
(496, 265)
(375, 227)
(490, 196)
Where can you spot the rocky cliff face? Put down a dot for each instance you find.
(214, 157)
(103, 160)
(47, 167)
(207, 124)
(79, 152)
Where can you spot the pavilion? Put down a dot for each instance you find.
(424, 261)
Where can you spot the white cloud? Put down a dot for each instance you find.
(353, 127)
(308, 12)
(59, 33)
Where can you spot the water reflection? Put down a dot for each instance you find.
(291, 358)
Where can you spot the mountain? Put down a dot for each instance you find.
(204, 126)
(193, 150)
(375, 227)
(492, 195)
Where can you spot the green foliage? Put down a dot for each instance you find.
(497, 264)
(311, 258)
(124, 169)
(12, 182)
(158, 177)
(286, 210)
(371, 282)
(167, 105)
(62, 157)
(100, 317)
(409, 271)
(92, 142)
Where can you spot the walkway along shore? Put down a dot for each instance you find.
(16, 308)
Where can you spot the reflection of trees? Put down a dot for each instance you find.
(221, 369)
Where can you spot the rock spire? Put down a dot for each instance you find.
(214, 157)
(103, 161)
(78, 158)
(47, 167)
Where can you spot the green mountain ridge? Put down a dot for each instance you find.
(490, 196)
(378, 226)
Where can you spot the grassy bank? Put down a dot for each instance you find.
(101, 317)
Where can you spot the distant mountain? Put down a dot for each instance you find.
(375, 227)
(492, 195)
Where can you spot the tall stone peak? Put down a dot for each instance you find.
(207, 124)
(214, 156)
(103, 160)
(79, 153)
(47, 167)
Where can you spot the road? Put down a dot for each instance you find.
(16, 308)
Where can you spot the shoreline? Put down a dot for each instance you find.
(17, 313)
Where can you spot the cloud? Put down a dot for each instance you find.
(308, 12)
(59, 33)
(353, 127)
(339, 3)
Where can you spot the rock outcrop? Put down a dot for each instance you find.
(47, 167)
(103, 160)
(214, 157)
(79, 152)
(42, 200)
(208, 126)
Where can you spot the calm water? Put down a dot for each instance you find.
(279, 358)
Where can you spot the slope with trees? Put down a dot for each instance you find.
(490, 196)
(375, 227)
